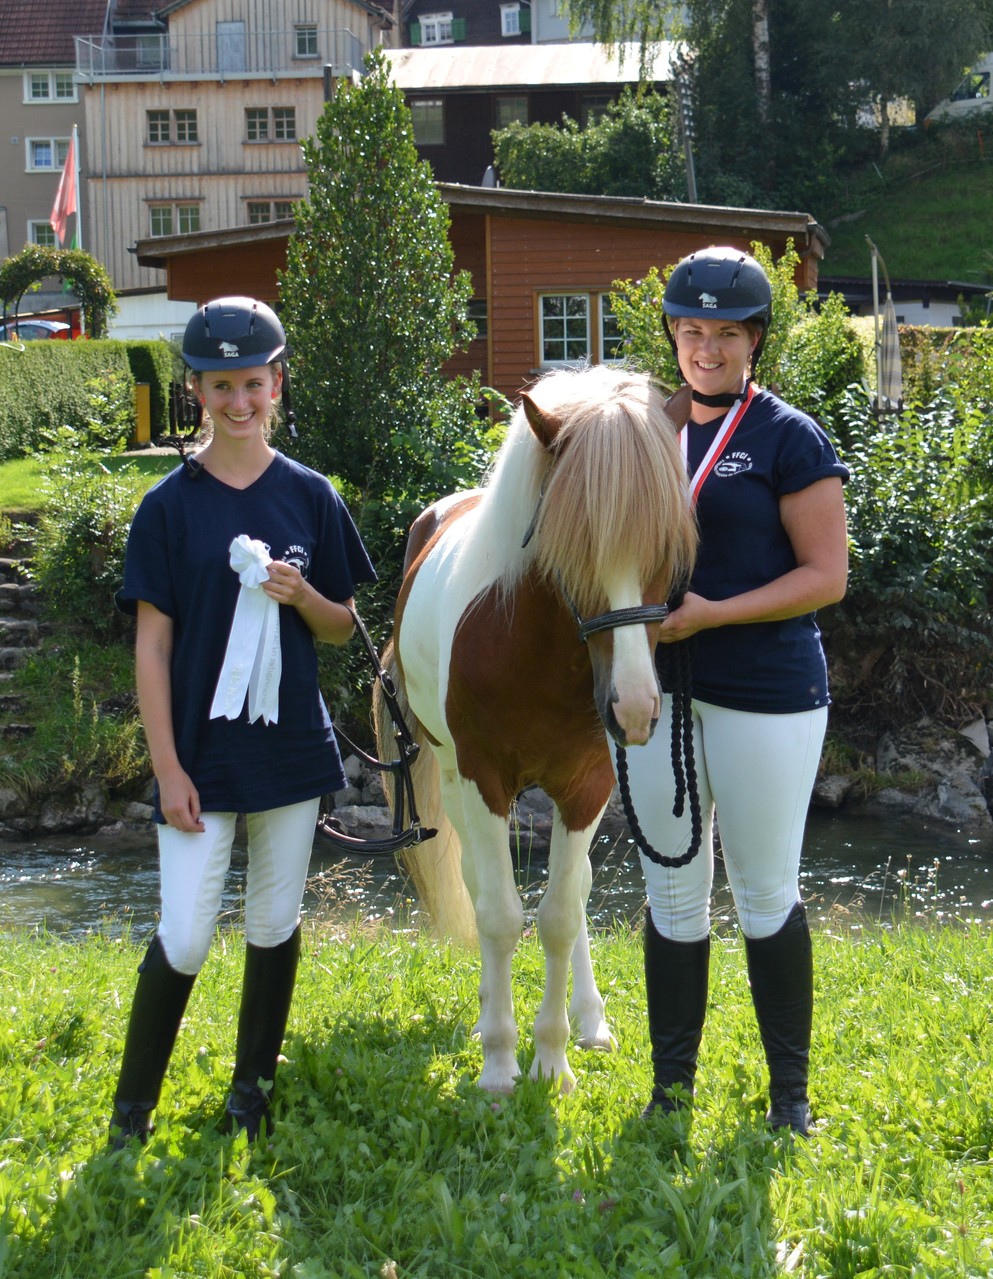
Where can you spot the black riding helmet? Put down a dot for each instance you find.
(719, 284)
(238, 333)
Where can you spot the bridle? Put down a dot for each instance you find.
(679, 674)
(402, 836)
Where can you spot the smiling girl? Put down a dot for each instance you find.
(237, 562)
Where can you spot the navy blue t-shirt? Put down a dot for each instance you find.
(177, 560)
(771, 667)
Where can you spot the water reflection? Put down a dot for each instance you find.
(855, 869)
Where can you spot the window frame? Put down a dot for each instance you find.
(52, 79)
(305, 33)
(504, 98)
(42, 234)
(183, 217)
(510, 20)
(273, 206)
(417, 107)
(597, 317)
(280, 124)
(437, 22)
(59, 148)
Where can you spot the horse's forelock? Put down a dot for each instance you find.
(616, 500)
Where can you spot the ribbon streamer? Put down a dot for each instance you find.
(252, 661)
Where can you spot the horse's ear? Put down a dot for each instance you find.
(545, 427)
(679, 406)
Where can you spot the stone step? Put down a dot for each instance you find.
(19, 731)
(19, 632)
(11, 658)
(10, 703)
(19, 598)
(11, 569)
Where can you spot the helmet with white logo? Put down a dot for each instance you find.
(719, 284)
(233, 333)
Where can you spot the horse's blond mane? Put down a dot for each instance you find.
(615, 500)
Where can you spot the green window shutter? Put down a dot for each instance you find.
(458, 28)
(415, 33)
(524, 17)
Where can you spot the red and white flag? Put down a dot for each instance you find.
(65, 197)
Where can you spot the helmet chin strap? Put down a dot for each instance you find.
(723, 401)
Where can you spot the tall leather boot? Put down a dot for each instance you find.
(267, 989)
(160, 1000)
(780, 969)
(676, 980)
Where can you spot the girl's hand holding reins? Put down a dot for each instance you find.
(694, 614)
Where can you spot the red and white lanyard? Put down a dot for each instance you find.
(721, 440)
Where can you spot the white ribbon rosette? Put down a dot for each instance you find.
(252, 661)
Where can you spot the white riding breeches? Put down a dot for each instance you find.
(193, 867)
(757, 772)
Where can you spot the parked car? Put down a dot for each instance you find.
(29, 330)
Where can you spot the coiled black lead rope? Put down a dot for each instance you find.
(674, 663)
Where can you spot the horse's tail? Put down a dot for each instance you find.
(436, 865)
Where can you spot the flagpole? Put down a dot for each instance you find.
(79, 189)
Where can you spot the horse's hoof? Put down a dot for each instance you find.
(602, 1040)
(561, 1073)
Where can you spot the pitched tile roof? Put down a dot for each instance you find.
(39, 33)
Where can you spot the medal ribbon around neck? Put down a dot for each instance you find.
(721, 440)
(252, 661)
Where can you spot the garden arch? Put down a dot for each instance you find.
(87, 278)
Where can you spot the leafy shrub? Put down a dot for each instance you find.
(821, 358)
(915, 631)
(78, 544)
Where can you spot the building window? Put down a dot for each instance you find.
(186, 126)
(271, 124)
(159, 126)
(260, 211)
(305, 35)
(478, 313)
(178, 219)
(169, 126)
(428, 115)
(611, 339)
(593, 107)
(510, 19)
(149, 52)
(50, 86)
(511, 109)
(565, 328)
(436, 28)
(45, 154)
(42, 234)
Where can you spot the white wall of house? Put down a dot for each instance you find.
(150, 316)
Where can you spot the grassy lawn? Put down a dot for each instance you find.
(388, 1161)
(22, 489)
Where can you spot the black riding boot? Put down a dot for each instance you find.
(160, 999)
(780, 970)
(270, 974)
(676, 978)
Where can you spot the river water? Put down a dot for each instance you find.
(856, 869)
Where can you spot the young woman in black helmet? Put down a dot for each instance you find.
(767, 487)
(237, 562)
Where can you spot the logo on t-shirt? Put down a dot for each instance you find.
(733, 464)
(298, 557)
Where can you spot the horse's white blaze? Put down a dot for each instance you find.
(634, 684)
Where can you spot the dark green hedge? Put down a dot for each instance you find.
(44, 386)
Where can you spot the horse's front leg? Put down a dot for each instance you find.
(561, 920)
(586, 1008)
(489, 875)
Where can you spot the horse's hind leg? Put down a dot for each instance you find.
(561, 924)
(489, 875)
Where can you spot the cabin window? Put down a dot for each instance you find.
(186, 126)
(260, 211)
(611, 339)
(565, 328)
(511, 109)
(159, 126)
(46, 153)
(593, 107)
(50, 86)
(428, 115)
(305, 35)
(478, 313)
(172, 126)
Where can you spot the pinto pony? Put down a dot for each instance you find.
(584, 516)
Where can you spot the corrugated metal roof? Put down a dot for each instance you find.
(39, 33)
(455, 67)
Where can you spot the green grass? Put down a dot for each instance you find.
(22, 490)
(926, 208)
(388, 1160)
